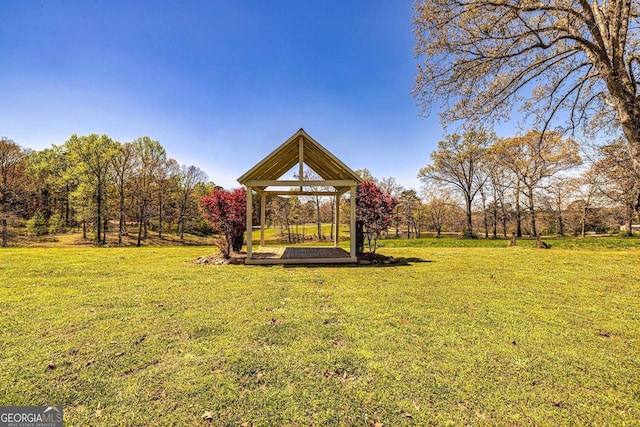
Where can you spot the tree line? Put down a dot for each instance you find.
(476, 184)
(101, 186)
(515, 183)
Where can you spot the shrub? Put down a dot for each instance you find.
(469, 234)
(374, 209)
(57, 224)
(226, 212)
(37, 225)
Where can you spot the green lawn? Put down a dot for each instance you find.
(462, 335)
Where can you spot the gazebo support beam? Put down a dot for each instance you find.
(336, 234)
(263, 202)
(249, 219)
(301, 159)
(352, 231)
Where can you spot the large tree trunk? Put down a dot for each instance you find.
(121, 216)
(495, 219)
(503, 212)
(469, 219)
(181, 219)
(4, 232)
(629, 221)
(160, 216)
(484, 213)
(98, 216)
(66, 209)
(532, 213)
(140, 223)
(518, 216)
(624, 97)
(560, 223)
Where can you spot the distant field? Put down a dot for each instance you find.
(310, 231)
(462, 335)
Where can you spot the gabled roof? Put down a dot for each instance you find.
(287, 155)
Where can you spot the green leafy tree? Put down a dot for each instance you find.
(37, 225)
(51, 182)
(123, 169)
(150, 154)
(91, 161)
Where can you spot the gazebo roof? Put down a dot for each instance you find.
(300, 148)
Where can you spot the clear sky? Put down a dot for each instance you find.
(219, 83)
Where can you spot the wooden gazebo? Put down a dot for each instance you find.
(264, 179)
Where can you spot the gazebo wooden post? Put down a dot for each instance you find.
(352, 231)
(263, 201)
(249, 220)
(336, 233)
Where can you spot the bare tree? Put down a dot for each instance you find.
(620, 181)
(410, 207)
(457, 164)
(390, 186)
(439, 207)
(189, 178)
(534, 158)
(588, 188)
(123, 167)
(480, 58)
(498, 181)
(559, 195)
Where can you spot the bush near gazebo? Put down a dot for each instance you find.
(374, 211)
(226, 212)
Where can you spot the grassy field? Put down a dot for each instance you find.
(461, 335)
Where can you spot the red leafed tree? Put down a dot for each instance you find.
(374, 211)
(226, 211)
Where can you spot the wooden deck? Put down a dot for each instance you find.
(299, 255)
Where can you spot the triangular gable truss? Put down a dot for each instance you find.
(300, 149)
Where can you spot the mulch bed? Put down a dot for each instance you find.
(235, 259)
(372, 258)
(238, 259)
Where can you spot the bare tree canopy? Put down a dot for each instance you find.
(480, 58)
(457, 164)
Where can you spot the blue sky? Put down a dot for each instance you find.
(219, 83)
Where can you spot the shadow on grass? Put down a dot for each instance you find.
(399, 262)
